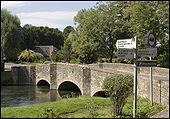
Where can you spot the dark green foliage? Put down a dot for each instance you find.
(100, 27)
(67, 31)
(41, 36)
(67, 52)
(163, 58)
(118, 87)
(11, 33)
(6, 78)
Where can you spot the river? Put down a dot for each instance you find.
(27, 95)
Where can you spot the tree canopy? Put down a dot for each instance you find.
(11, 33)
(101, 26)
(42, 36)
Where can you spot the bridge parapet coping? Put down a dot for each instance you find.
(129, 68)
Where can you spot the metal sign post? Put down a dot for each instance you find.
(135, 82)
(151, 43)
(151, 87)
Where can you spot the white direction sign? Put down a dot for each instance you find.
(126, 43)
(148, 52)
(125, 53)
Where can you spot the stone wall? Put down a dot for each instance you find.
(23, 75)
(89, 78)
(77, 74)
(160, 79)
(43, 72)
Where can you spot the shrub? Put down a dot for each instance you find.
(118, 87)
(53, 57)
(48, 113)
(30, 56)
(100, 60)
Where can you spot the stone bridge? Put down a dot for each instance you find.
(88, 78)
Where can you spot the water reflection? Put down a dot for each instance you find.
(27, 95)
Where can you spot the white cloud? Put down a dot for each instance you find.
(7, 4)
(57, 19)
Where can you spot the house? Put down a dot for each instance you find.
(46, 50)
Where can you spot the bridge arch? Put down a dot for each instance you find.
(70, 86)
(43, 82)
(100, 93)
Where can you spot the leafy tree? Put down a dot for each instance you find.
(11, 33)
(102, 26)
(118, 87)
(148, 16)
(67, 30)
(42, 36)
(66, 53)
(151, 16)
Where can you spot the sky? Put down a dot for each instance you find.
(54, 14)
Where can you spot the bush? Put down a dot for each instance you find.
(118, 87)
(116, 60)
(53, 57)
(30, 56)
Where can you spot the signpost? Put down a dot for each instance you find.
(148, 52)
(125, 53)
(147, 63)
(151, 43)
(126, 43)
(127, 49)
(135, 82)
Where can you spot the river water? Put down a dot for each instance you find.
(27, 95)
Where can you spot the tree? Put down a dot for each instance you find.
(11, 33)
(66, 53)
(118, 87)
(146, 17)
(151, 16)
(67, 30)
(102, 26)
(42, 36)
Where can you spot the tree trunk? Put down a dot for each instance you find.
(113, 106)
(110, 60)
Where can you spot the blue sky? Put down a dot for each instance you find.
(54, 14)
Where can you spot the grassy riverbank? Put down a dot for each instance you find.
(80, 108)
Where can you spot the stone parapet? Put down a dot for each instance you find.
(89, 78)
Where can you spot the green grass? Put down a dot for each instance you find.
(6, 77)
(75, 108)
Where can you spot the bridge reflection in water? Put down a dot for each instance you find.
(27, 95)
